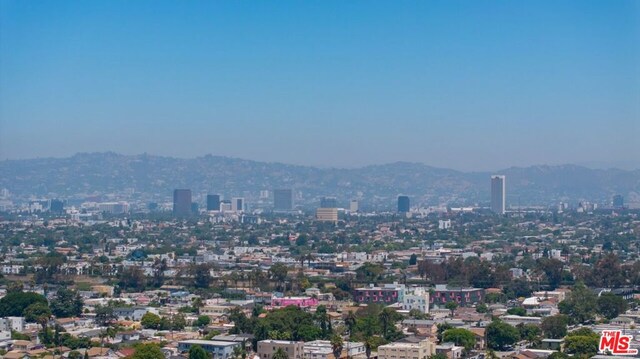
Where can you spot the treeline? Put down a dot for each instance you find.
(374, 325)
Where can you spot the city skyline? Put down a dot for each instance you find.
(459, 85)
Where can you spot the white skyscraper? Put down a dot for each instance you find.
(498, 194)
(353, 205)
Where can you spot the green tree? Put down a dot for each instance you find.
(611, 305)
(278, 273)
(529, 332)
(178, 322)
(441, 328)
(580, 305)
(104, 315)
(202, 321)
(67, 303)
(201, 274)
(558, 355)
(132, 278)
(452, 306)
(148, 351)
(150, 321)
(370, 272)
(196, 352)
(13, 304)
(413, 260)
(582, 342)
(460, 337)
(37, 313)
(555, 327)
(517, 311)
(500, 335)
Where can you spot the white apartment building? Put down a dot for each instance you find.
(416, 298)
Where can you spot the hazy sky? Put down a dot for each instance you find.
(460, 84)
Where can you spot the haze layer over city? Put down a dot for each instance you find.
(319, 179)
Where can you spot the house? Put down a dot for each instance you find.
(22, 345)
(451, 350)
(130, 336)
(480, 334)
(133, 313)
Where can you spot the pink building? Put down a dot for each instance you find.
(297, 301)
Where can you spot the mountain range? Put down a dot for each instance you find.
(152, 178)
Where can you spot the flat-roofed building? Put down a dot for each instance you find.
(218, 349)
(294, 350)
(405, 350)
(327, 214)
(322, 349)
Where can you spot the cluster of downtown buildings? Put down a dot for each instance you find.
(283, 202)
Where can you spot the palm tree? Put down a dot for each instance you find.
(322, 317)
(280, 354)
(350, 322)
(385, 320)
(368, 344)
(336, 346)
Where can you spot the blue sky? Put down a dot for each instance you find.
(470, 85)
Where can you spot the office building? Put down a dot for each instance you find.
(327, 214)
(498, 194)
(618, 201)
(113, 207)
(294, 350)
(213, 202)
(353, 205)
(282, 200)
(56, 206)
(225, 205)
(328, 202)
(182, 202)
(404, 205)
(237, 204)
